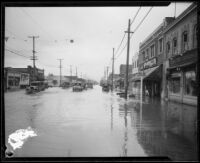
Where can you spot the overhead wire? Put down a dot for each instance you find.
(13, 52)
(135, 30)
(36, 22)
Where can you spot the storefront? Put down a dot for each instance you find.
(182, 79)
(151, 81)
(13, 80)
(24, 82)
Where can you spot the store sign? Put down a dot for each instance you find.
(24, 79)
(13, 74)
(150, 63)
(40, 71)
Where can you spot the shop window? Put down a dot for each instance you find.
(174, 47)
(175, 85)
(17, 79)
(190, 86)
(185, 41)
(195, 37)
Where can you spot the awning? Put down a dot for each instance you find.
(153, 73)
(182, 65)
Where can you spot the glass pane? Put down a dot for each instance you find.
(175, 85)
(190, 87)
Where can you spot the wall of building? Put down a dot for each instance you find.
(181, 89)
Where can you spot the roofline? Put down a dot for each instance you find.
(151, 34)
(192, 7)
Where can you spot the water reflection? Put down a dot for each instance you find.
(168, 129)
(124, 147)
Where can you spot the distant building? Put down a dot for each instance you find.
(14, 79)
(122, 70)
(134, 85)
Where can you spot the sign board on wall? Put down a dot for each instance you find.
(150, 63)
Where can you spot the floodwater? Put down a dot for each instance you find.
(95, 123)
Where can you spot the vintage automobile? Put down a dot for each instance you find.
(77, 87)
(105, 87)
(36, 86)
(89, 85)
(65, 85)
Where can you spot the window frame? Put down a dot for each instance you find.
(184, 44)
(174, 49)
(152, 45)
(195, 36)
(160, 50)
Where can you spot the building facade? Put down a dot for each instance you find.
(14, 79)
(21, 77)
(180, 58)
(151, 52)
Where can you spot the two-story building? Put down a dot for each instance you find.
(180, 58)
(150, 60)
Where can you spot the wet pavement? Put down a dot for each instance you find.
(95, 123)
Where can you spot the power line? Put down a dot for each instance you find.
(36, 22)
(135, 30)
(135, 16)
(120, 43)
(125, 33)
(17, 53)
(142, 21)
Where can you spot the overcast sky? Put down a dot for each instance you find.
(95, 31)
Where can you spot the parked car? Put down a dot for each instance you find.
(105, 87)
(77, 87)
(89, 85)
(36, 86)
(65, 85)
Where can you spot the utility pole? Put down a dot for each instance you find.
(34, 57)
(127, 58)
(60, 71)
(71, 72)
(107, 73)
(76, 71)
(112, 69)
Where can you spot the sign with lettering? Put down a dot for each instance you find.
(150, 63)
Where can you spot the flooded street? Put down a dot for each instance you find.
(95, 123)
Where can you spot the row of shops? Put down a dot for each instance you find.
(167, 61)
(16, 78)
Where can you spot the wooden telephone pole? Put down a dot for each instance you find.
(127, 58)
(60, 71)
(34, 57)
(112, 69)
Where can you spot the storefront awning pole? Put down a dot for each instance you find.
(141, 87)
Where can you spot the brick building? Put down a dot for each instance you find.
(180, 58)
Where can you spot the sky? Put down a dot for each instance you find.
(95, 31)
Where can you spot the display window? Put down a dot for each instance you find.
(190, 84)
(175, 84)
